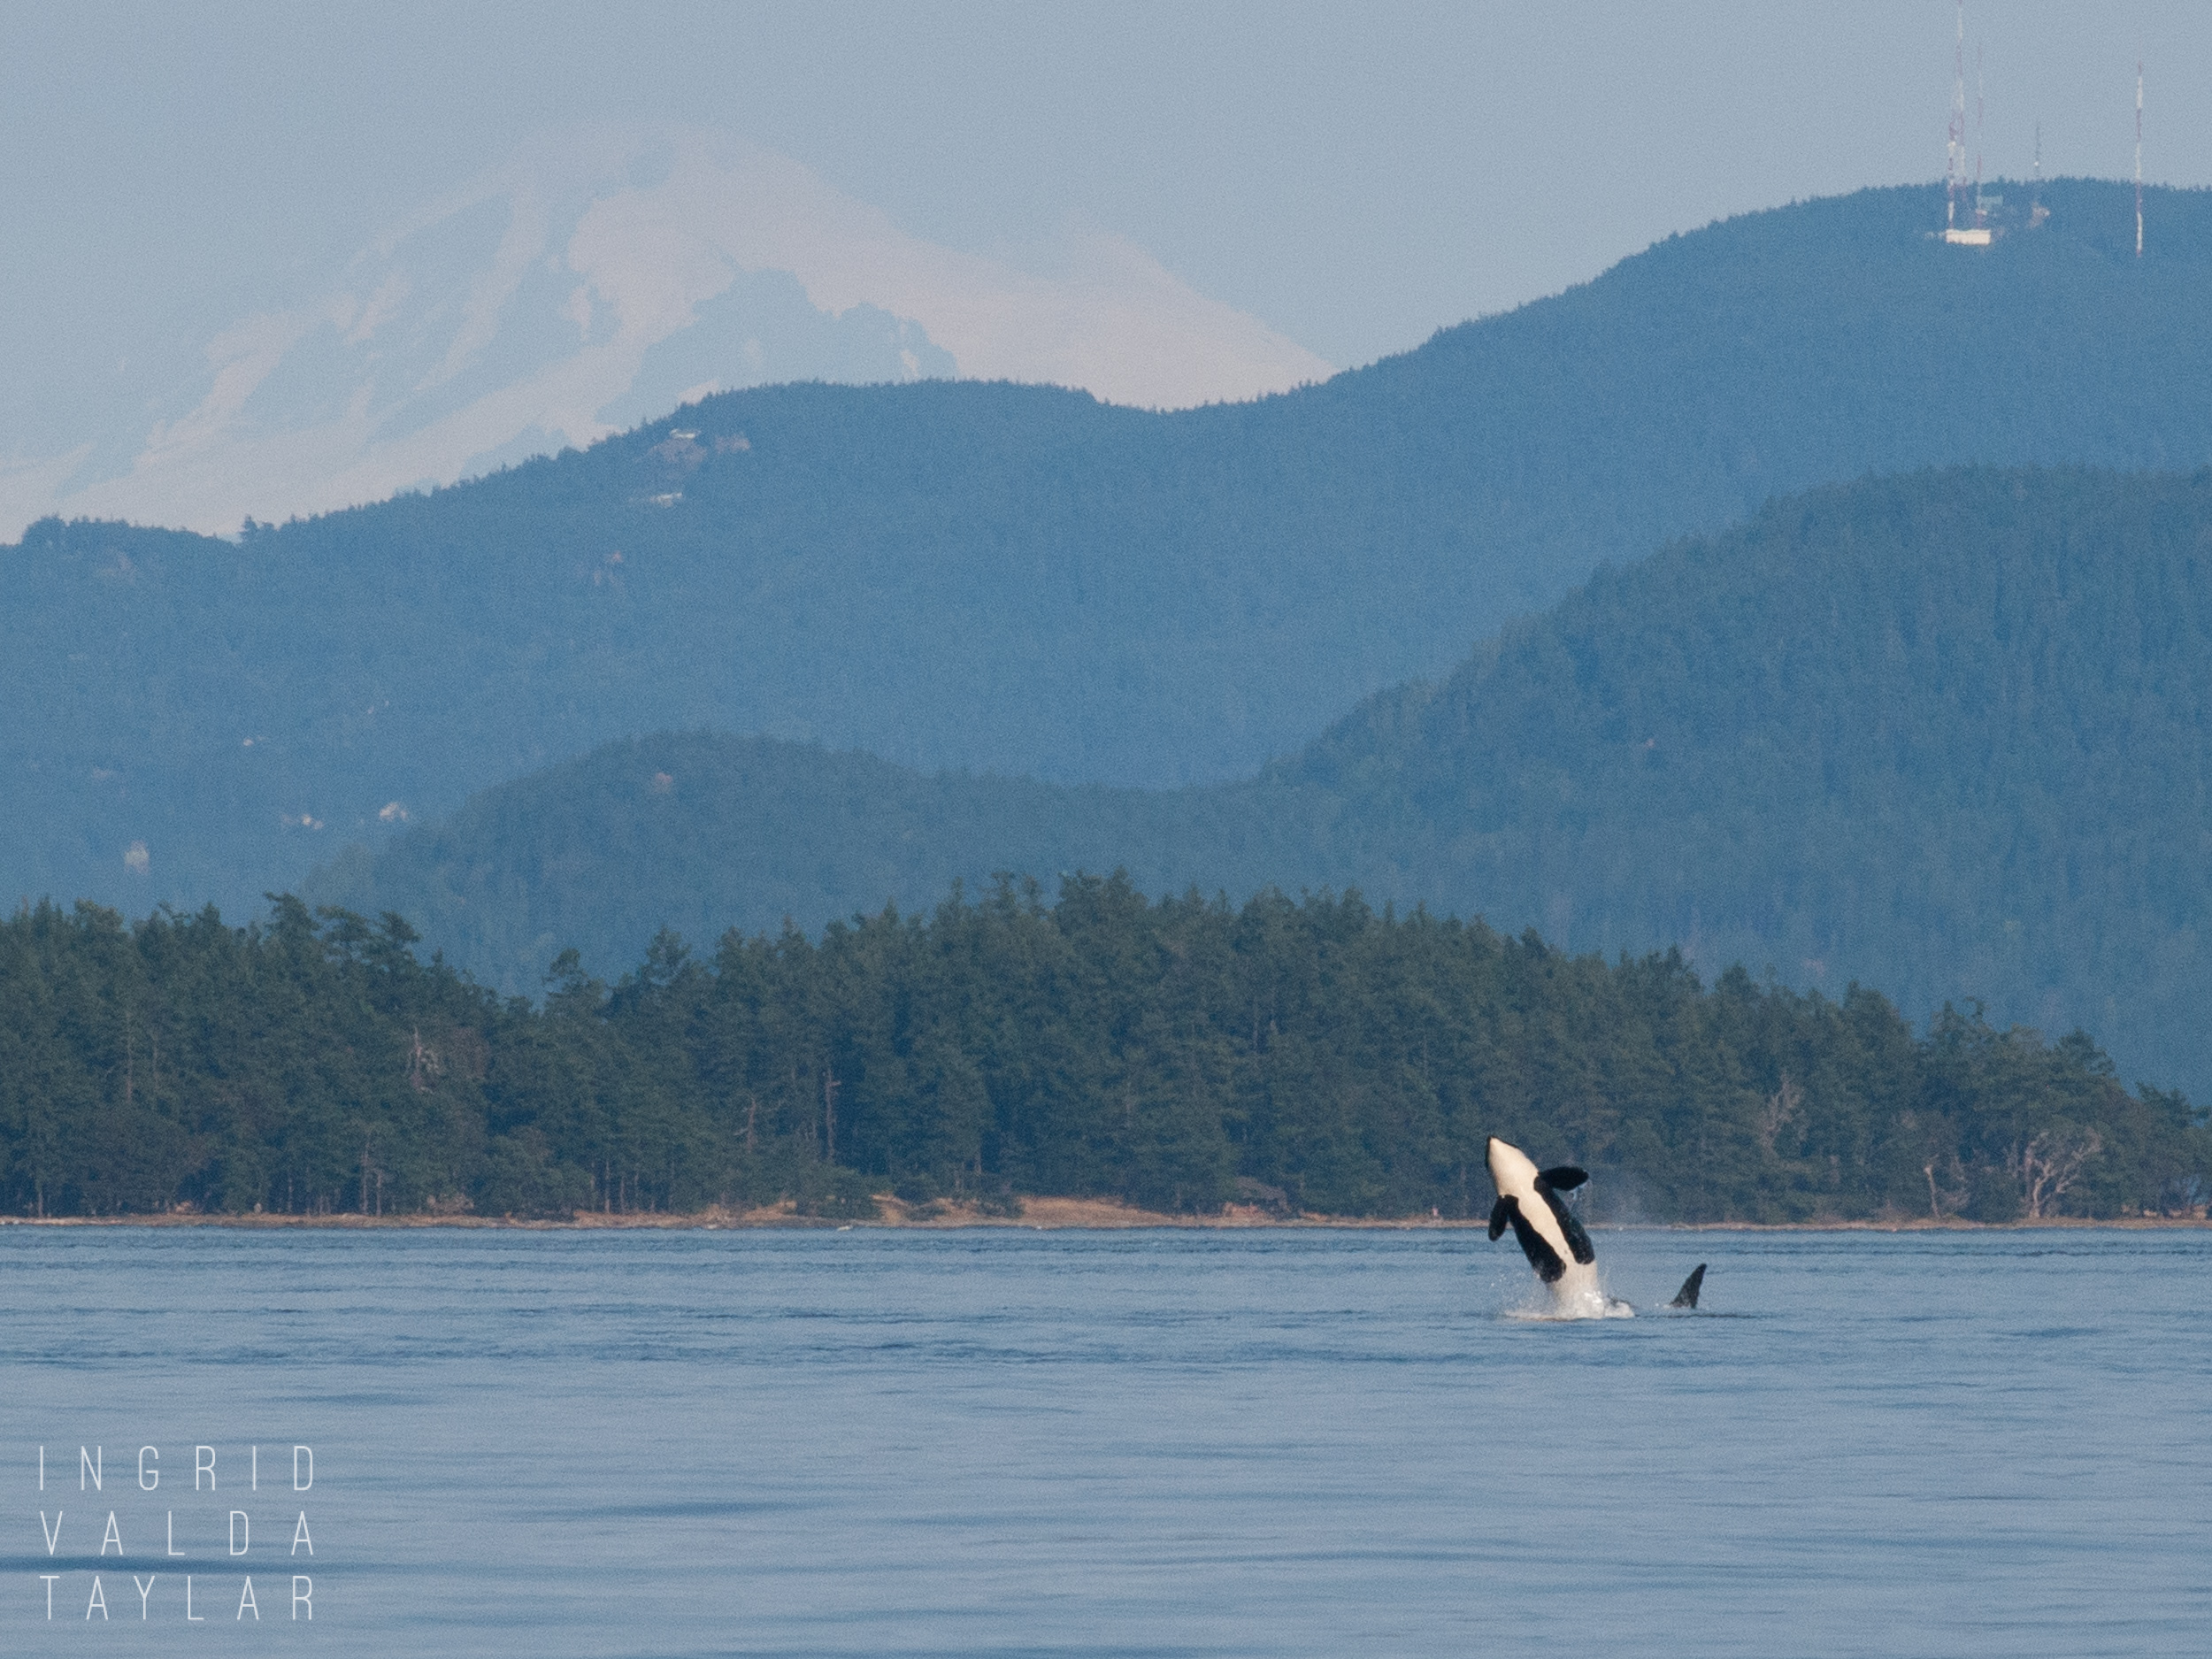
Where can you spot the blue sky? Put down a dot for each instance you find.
(1263, 193)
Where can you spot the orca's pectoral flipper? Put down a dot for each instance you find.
(1566, 1178)
(1501, 1219)
(1687, 1297)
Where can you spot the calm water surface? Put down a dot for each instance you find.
(1174, 1443)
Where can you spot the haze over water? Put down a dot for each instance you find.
(1137, 1443)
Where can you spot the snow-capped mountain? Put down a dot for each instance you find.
(590, 282)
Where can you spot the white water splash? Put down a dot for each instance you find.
(1578, 1296)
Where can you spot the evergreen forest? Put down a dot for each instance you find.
(1178, 1053)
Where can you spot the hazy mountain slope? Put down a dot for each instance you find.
(1945, 734)
(704, 832)
(1024, 582)
(1948, 733)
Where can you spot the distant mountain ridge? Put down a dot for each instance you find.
(703, 830)
(591, 280)
(1023, 582)
(1944, 735)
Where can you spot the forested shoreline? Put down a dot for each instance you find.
(1171, 1053)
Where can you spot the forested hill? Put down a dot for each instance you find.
(701, 832)
(1943, 733)
(1180, 1054)
(1019, 580)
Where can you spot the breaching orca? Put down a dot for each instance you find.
(1549, 1236)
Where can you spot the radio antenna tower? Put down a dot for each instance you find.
(2036, 212)
(2138, 155)
(1981, 214)
(1955, 163)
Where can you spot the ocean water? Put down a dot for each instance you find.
(1007, 1442)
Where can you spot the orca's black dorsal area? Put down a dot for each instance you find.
(1687, 1297)
(1578, 1243)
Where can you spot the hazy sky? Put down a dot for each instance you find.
(1356, 175)
(1348, 179)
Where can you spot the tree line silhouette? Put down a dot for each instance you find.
(1174, 1053)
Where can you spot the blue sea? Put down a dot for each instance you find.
(1162, 1443)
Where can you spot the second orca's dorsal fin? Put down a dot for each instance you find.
(1687, 1297)
(1566, 1178)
